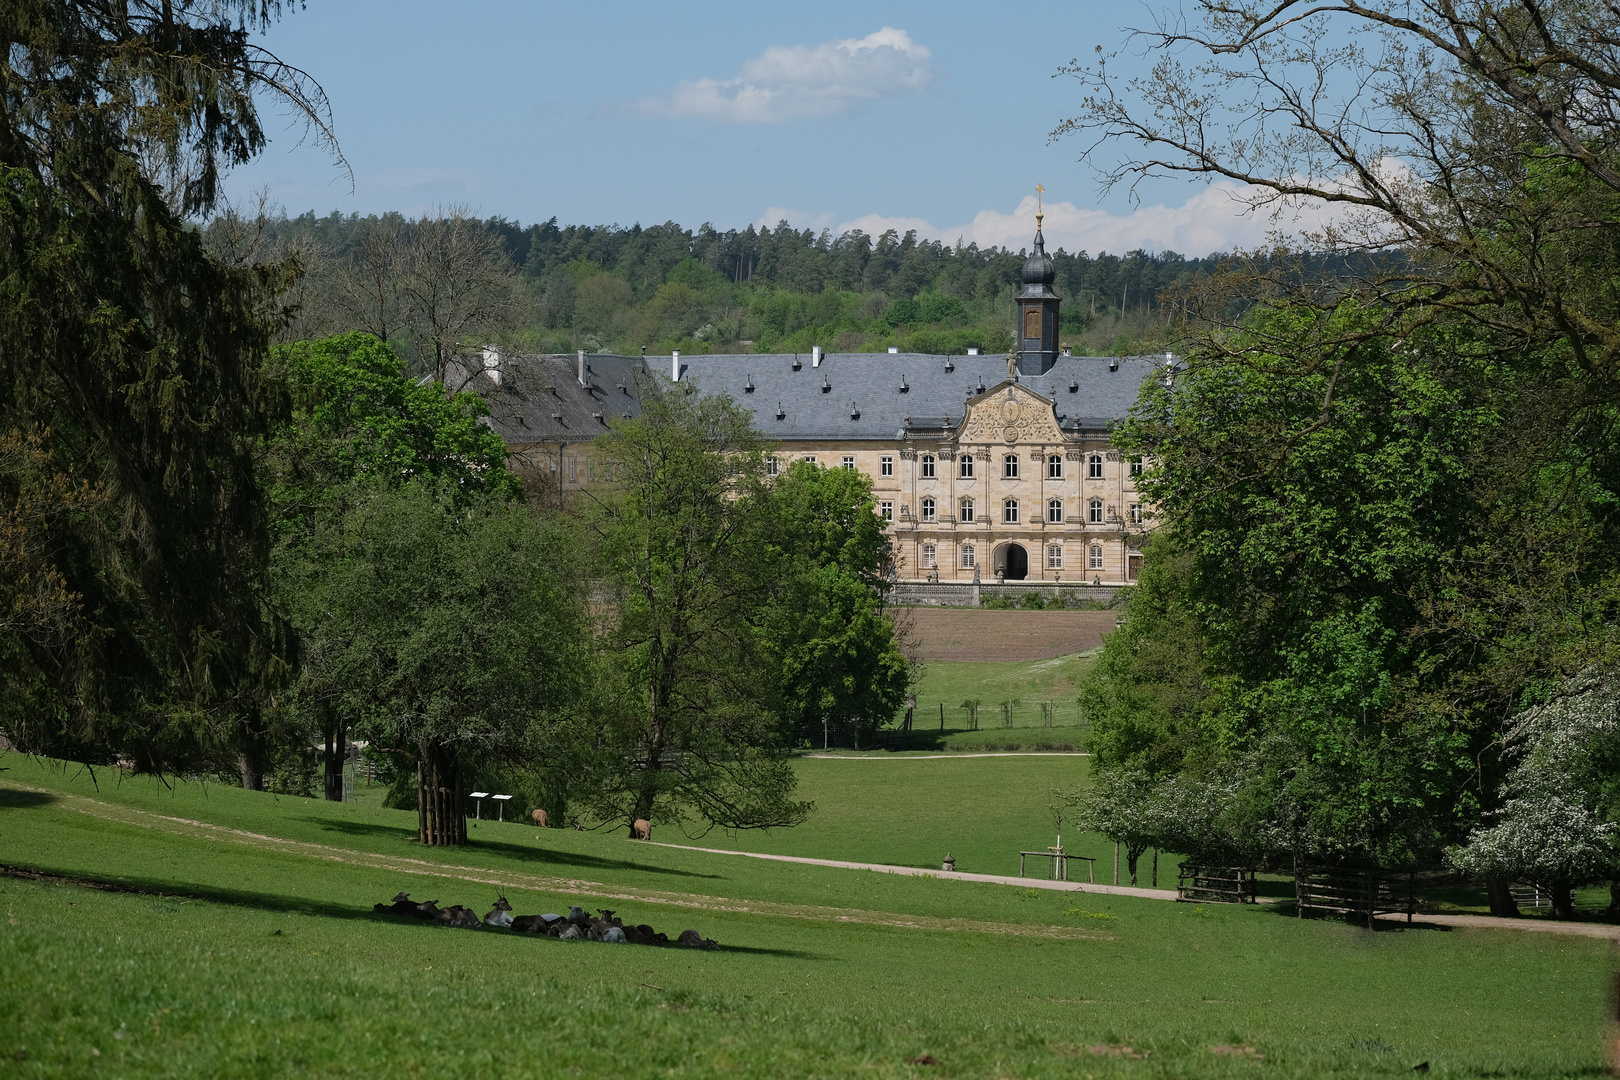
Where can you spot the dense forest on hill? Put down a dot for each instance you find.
(662, 287)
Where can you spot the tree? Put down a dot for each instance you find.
(136, 357)
(457, 281)
(841, 665)
(354, 417)
(1558, 826)
(448, 628)
(691, 717)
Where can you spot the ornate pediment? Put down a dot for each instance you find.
(1011, 414)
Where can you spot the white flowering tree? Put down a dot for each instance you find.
(1557, 826)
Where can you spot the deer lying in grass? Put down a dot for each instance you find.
(501, 915)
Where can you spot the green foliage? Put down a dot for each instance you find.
(356, 416)
(136, 356)
(689, 724)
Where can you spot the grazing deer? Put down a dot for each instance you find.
(641, 829)
(539, 817)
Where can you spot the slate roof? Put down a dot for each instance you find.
(848, 396)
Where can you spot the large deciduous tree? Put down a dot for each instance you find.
(353, 417)
(448, 628)
(691, 719)
(135, 358)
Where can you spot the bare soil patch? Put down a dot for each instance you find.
(987, 636)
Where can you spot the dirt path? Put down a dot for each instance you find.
(1492, 922)
(504, 881)
(949, 875)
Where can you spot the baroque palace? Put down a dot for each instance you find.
(983, 465)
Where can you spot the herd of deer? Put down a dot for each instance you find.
(575, 926)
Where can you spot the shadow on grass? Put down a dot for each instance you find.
(788, 954)
(519, 852)
(12, 799)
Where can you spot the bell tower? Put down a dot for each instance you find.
(1038, 305)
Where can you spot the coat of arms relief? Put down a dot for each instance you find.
(1012, 415)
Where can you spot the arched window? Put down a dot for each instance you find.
(1095, 561)
(1094, 467)
(930, 557)
(964, 465)
(928, 466)
(1054, 557)
(1054, 511)
(1054, 467)
(1009, 466)
(928, 509)
(1094, 511)
(1136, 513)
(967, 510)
(967, 557)
(1009, 511)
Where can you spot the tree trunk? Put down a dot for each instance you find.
(1563, 902)
(337, 752)
(440, 814)
(247, 760)
(1614, 898)
(1501, 897)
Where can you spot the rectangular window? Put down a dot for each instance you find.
(930, 557)
(1094, 511)
(1009, 466)
(967, 510)
(967, 556)
(811, 458)
(1054, 557)
(928, 466)
(849, 462)
(965, 466)
(887, 465)
(1054, 467)
(771, 466)
(590, 468)
(928, 509)
(1054, 511)
(1094, 467)
(1032, 322)
(1136, 466)
(886, 509)
(1096, 558)
(1009, 511)
(1136, 513)
(573, 470)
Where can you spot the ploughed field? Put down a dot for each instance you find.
(241, 941)
(986, 635)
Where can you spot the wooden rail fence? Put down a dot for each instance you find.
(1363, 893)
(1200, 884)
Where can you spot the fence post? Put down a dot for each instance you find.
(1116, 862)
(942, 716)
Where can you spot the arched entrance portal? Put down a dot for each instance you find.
(1012, 562)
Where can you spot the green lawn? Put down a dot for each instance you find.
(251, 951)
(1029, 683)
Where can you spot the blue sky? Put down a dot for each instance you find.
(931, 116)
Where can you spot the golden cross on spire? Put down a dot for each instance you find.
(1040, 189)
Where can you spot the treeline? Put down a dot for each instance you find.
(665, 287)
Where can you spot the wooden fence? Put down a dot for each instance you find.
(1201, 884)
(1360, 892)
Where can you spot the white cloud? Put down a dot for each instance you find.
(1214, 219)
(788, 82)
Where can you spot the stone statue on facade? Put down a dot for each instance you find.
(1012, 366)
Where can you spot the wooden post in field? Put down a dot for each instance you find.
(942, 716)
(1116, 862)
(1155, 868)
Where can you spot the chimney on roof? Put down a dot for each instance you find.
(815, 356)
(581, 375)
(675, 366)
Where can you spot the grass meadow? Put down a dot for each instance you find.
(233, 936)
(948, 683)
